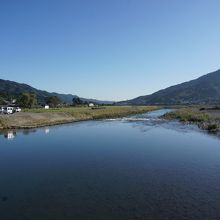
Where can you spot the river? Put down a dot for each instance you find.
(139, 167)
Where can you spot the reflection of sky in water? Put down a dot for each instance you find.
(123, 169)
(148, 121)
(144, 122)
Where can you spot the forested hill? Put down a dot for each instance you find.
(14, 88)
(204, 90)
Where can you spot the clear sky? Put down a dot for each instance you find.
(108, 49)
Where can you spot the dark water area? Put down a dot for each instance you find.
(140, 167)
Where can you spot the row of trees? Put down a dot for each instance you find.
(5, 96)
(52, 101)
(29, 100)
(77, 101)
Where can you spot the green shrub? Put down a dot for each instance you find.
(213, 127)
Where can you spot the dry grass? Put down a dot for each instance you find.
(187, 115)
(106, 112)
(30, 118)
(204, 120)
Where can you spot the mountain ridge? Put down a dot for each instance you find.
(205, 89)
(15, 88)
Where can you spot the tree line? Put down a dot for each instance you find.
(29, 100)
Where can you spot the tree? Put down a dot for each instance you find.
(24, 100)
(77, 101)
(6, 97)
(1, 100)
(27, 100)
(52, 101)
(32, 100)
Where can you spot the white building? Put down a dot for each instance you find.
(91, 105)
(47, 107)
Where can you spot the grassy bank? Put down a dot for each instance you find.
(31, 118)
(208, 120)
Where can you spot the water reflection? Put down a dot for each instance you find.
(110, 170)
(47, 130)
(10, 135)
(144, 122)
(29, 131)
(147, 121)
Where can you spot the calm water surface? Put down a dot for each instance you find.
(139, 167)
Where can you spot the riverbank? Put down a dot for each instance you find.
(32, 118)
(206, 118)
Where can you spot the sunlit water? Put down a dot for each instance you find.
(139, 167)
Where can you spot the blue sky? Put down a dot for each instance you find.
(108, 49)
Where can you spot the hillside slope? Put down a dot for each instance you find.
(11, 87)
(205, 89)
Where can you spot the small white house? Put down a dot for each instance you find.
(91, 105)
(47, 107)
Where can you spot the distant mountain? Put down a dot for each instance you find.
(204, 90)
(15, 88)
